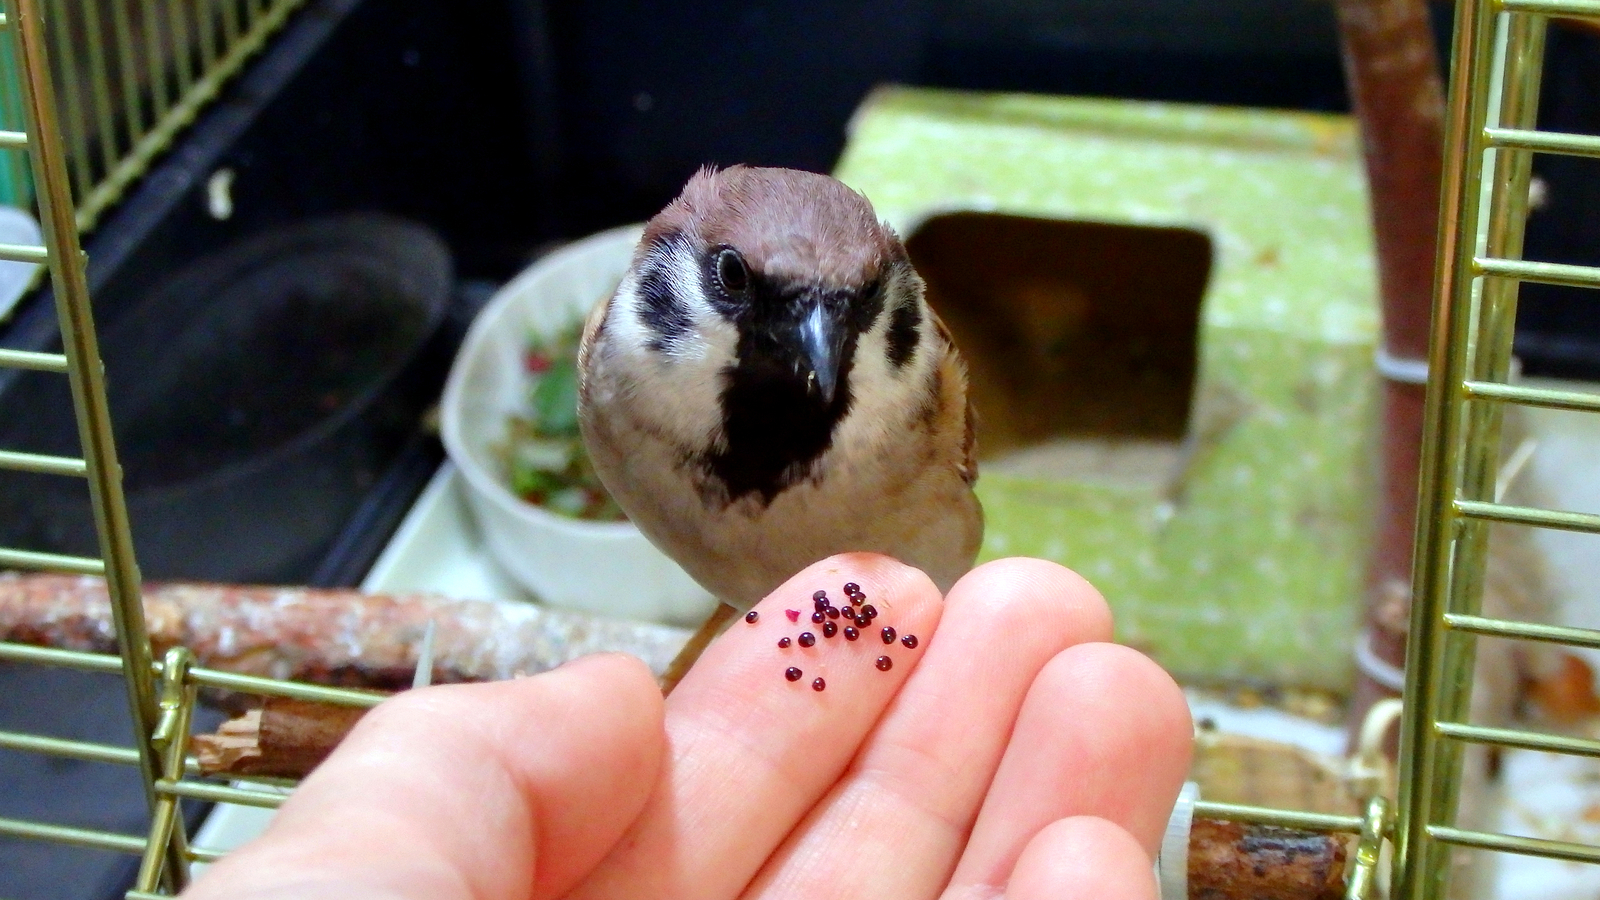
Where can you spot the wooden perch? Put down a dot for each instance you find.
(1392, 69)
(341, 637)
(1232, 861)
(285, 738)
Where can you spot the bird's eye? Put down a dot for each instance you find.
(731, 271)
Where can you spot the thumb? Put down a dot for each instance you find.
(466, 791)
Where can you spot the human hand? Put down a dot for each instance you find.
(1013, 753)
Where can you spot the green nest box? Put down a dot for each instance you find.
(1169, 314)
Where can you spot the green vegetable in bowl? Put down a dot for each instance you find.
(544, 455)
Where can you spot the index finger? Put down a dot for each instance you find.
(750, 751)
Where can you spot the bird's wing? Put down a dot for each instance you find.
(954, 372)
(591, 334)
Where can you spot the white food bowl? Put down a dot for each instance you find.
(601, 567)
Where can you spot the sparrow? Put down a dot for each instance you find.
(768, 386)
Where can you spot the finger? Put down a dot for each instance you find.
(466, 791)
(1104, 732)
(751, 752)
(1082, 858)
(902, 814)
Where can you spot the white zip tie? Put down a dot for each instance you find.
(1172, 861)
(424, 673)
(1375, 667)
(1406, 370)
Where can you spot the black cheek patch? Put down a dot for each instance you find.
(662, 312)
(905, 323)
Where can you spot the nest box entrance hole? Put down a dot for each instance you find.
(1081, 338)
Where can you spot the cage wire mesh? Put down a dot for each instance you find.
(132, 74)
(59, 146)
(138, 72)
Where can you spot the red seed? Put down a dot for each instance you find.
(783, 643)
(870, 611)
(884, 664)
(818, 617)
(850, 633)
(888, 634)
(752, 616)
(793, 614)
(829, 629)
(792, 673)
(849, 611)
(818, 684)
(910, 641)
(819, 596)
(807, 639)
(851, 588)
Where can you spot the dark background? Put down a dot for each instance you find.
(509, 125)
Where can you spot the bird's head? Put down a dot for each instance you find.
(773, 303)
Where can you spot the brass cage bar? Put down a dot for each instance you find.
(78, 837)
(1560, 274)
(51, 562)
(1421, 866)
(29, 359)
(1490, 133)
(1507, 843)
(1529, 631)
(1517, 738)
(217, 793)
(84, 750)
(68, 659)
(1279, 818)
(1576, 8)
(1527, 515)
(1543, 141)
(65, 260)
(38, 462)
(1576, 401)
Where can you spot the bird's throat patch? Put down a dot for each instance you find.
(774, 430)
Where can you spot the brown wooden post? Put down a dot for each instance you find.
(1392, 69)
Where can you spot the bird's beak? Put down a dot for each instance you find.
(820, 341)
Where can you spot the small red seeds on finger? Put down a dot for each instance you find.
(833, 613)
(818, 617)
(850, 633)
(885, 664)
(820, 596)
(829, 629)
(849, 611)
(850, 587)
(888, 634)
(910, 641)
(752, 616)
(870, 611)
(807, 639)
(818, 684)
(783, 643)
(792, 673)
